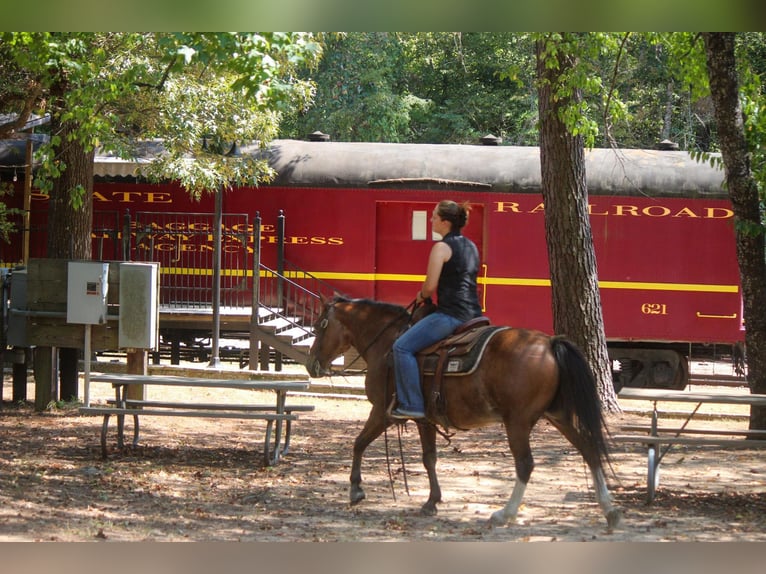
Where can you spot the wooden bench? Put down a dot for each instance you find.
(276, 414)
(654, 437)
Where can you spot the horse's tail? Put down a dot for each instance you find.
(578, 397)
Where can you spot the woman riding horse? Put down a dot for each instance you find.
(453, 265)
(522, 376)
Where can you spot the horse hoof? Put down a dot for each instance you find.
(613, 518)
(428, 510)
(498, 518)
(357, 496)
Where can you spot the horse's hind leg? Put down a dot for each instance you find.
(593, 461)
(612, 513)
(375, 425)
(518, 440)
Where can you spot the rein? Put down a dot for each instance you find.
(383, 330)
(411, 306)
(408, 310)
(401, 457)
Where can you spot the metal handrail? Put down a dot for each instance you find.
(288, 300)
(320, 287)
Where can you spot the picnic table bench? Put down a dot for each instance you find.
(276, 414)
(654, 436)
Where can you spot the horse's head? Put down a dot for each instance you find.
(331, 339)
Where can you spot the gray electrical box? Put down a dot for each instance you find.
(17, 322)
(139, 305)
(87, 285)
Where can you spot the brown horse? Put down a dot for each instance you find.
(523, 376)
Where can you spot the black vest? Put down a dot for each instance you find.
(456, 292)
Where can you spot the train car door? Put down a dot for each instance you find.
(403, 241)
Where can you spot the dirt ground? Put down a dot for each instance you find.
(204, 480)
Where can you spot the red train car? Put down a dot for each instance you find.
(357, 217)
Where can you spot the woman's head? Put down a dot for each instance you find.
(455, 213)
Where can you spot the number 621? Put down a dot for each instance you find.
(654, 309)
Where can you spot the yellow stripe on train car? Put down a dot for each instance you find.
(495, 281)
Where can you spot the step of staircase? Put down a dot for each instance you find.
(294, 334)
(286, 334)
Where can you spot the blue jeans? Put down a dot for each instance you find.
(426, 332)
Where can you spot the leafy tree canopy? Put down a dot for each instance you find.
(185, 88)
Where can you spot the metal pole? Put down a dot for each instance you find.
(280, 258)
(256, 294)
(217, 223)
(86, 357)
(27, 216)
(257, 261)
(126, 236)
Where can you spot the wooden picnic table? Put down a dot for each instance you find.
(275, 414)
(654, 436)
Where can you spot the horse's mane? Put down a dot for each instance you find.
(391, 308)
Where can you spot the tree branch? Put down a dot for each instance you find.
(164, 78)
(612, 90)
(32, 97)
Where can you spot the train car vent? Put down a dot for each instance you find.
(667, 145)
(490, 139)
(318, 136)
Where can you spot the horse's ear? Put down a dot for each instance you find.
(337, 296)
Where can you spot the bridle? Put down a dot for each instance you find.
(409, 311)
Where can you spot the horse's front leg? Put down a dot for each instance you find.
(375, 425)
(428, 443)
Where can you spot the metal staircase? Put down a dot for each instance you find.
(287, 299)
(289, 304)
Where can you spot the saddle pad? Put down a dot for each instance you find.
(462, 359)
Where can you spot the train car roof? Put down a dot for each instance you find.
(474, 167)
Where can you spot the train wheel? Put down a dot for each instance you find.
(650, 368)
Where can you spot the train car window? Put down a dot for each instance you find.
(419, 225)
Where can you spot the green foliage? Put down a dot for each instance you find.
(637, 88)
(230, 87)
(634, 93)
(359, 94)
(714, 159)
(755, 133)
(6, 227)
(77, 196)
(475, 84)
(575, 81)
(682, 56)
(686, 61)
(751, 63)
(752, 57)
(424, 87)
(256, 62)
(112, 88)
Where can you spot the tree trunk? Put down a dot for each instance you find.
(69, 228)
(743, 191)
(69, 231)
(574, 279)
